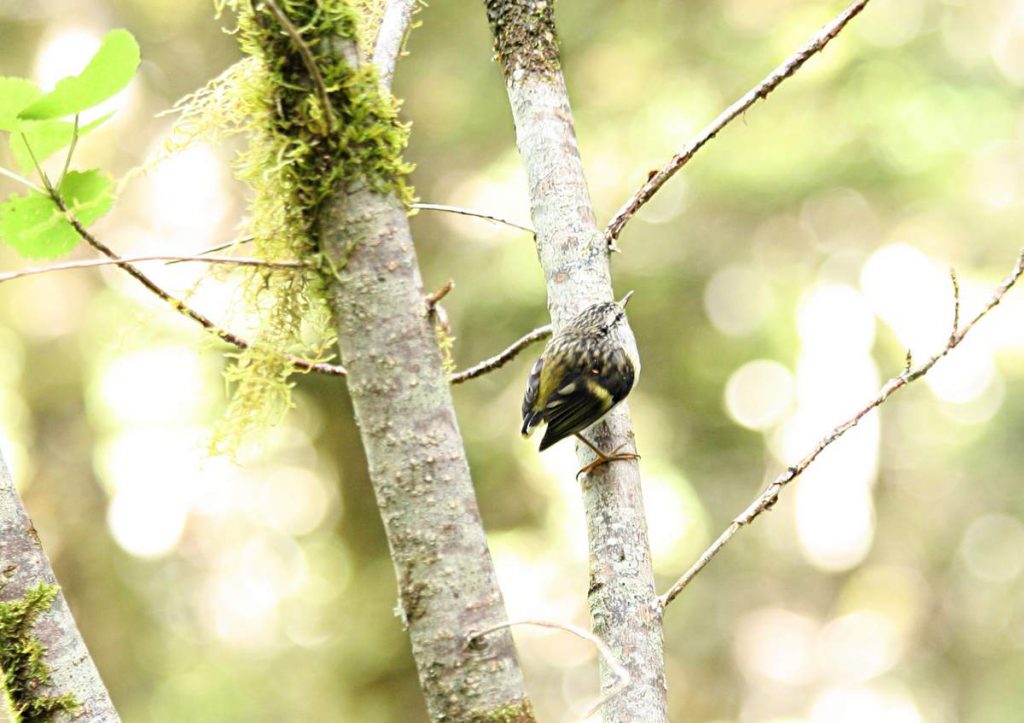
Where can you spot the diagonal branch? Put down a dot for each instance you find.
(177, 304)
(792, 64)
(93, 263)
(470, 212)
(474, 639)
(770, 495)
(501, 359)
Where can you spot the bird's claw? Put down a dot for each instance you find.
(606, 458)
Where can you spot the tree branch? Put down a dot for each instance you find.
(473, 640)
(177, 304)
(417, 461)
(93, 263)
(501, 359)
(770, 495)
(393, 28)
(470, 212)
(792, 64)
(573, 253)
(25, 567)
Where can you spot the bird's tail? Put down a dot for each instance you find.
(530, 422)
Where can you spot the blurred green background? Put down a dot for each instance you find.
(779, 281)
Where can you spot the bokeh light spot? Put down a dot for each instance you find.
(759, 394)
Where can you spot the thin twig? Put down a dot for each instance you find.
(620, 672)
(770, 495)
(470, 212)
(218, 247)
(766, 86)
(393, 27)
(956, 304)
(21, 179)
(500, 360)
(307, 59)
(179, 305)
(92, 263)
(434, 297)
(71, 151)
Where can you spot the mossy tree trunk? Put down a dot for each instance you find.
(331, 104)
(574, 254)
(34, 618)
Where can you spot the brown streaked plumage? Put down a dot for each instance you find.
(587, 368)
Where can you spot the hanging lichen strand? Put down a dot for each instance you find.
(314, 120)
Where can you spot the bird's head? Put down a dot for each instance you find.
(604, 317)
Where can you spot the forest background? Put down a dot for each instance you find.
(779, 281)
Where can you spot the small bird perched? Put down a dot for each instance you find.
(587, 368)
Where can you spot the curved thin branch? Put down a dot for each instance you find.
(792, 64)
(393, 27)
(20, 179)
(470, 212)
(618, 669)
(220, 247)
(770, 495)
(178, 305)
(93, 263)
(501, 359)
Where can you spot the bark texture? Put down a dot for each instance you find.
(573, 252)
(24, 566)
(446, 581)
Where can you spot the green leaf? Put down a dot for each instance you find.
(110, 70)
(34, 226)
(15, 95)
(46, 138)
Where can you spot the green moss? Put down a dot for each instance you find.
(314, 122)
(521, 712)
(26, 675)
(524, 35)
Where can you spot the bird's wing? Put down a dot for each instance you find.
(531, 414)
(573, 407)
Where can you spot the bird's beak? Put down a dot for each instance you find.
(625, 300)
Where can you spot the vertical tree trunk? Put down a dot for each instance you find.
(403, 405)
(24, 567)
(624, 606)
(418, 466)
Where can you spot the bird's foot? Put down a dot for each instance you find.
(602, 458)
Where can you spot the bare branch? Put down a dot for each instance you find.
(307, 59)
(499, 360)
(956, 305)
(93, 263)
(770, 495)
(71, 152)
(761, 90)
(434, 297)
(393, 27)
(178, 305)
(21, 179)
(473, 640)
(220, 247)
(470, 212)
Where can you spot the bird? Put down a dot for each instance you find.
(587, 368)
